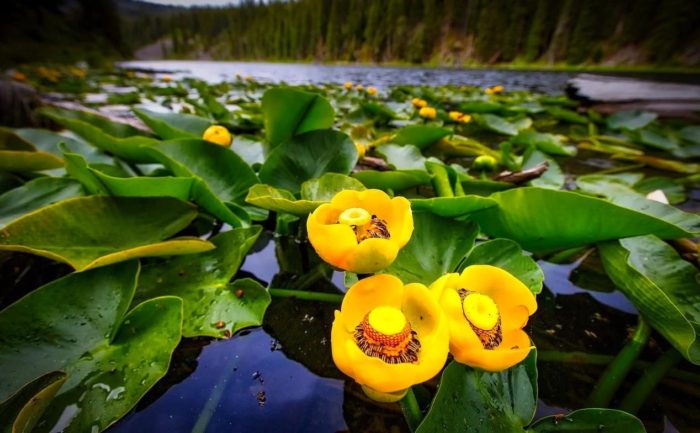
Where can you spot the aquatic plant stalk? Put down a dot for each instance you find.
(617, 370)
(441, 180)
(639, 393)
(598, 359)
(306, 295)
(411, 410)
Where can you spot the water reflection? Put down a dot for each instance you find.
(557, 279)
(380, 76)
(242, 385)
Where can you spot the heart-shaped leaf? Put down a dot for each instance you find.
(212, 306)
(589, 421)
(88, 232)
(402, 157)
(224, 172)
(477, 401)
(631, 120)
(547, 143)
(111, 357)
(171, 126)
(395, 180)
(452, 206)
(496, 124)
(662, 286)
(420, 136)
(507, 255)
(324, 188)
(544, 219)
(36, 194)
(279, 200)
(289, 112)
(436, 247)
(308, 156)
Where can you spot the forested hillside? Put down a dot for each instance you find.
(459, 32)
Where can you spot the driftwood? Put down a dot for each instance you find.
(607, 95)
(518, 177)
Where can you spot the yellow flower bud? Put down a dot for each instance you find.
(485, 163)
(427, 112)
(359, 87)
(347, 85)
(371, 91)
(466, 118)
(361, 149)
(218, 134)
(455, 115)
(419, 103)
(166, 78)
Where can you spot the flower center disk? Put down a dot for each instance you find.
(482, 314)
(364, 224)
(385, 333)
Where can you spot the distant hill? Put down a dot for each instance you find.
(446, 32)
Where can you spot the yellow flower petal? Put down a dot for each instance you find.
(512, 350)
(378, 290)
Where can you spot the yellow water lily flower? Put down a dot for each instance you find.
(361, 150)
(427, 112)
(486, 308)
(455, 115)
(371, 91)
(18, 76)
(360, 231)
(388, 336)
(359, 87)
(466, 118)
(166, 78)
(494, 89)
(218, 134)
(348, 85)
(419, 103)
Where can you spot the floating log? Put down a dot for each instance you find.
(608, 94)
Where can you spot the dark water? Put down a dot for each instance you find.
(380, 76)
(281, 377)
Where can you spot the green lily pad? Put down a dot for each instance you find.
(36, 194)
(507, 255)
(279, 200)
(307, 156)
(49, 141)
(589, 421)
(18, 155)
(22, 411)
(183, 188)
(452, 207)
(111, 357)
(224, 172)
(566, 115)
(553, 178)
(436, 247)
(131, 148)
(402, 157)
(548, 143)
(496, 124)
(691, 134)
(289, 112)
(662, 286)
(472, 400)
(171, 126)
(88, 232)
(674, 191)
(250, 149)
(527, 216)
(395, 180)
(657, 140)
(211, 305)
(420, 136)
(630, 120)
(324, 188)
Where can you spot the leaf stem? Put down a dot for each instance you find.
(639, 393)
(440, 180)
(411, 410)
(617, 370)
(306, 295)
(597, 359)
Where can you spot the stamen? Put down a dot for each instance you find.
(490, 338)
(375, 228)
(397, 348)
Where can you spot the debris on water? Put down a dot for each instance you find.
(257, 376)
(307, 318)
(239, 293)
(260, 396)
(227, 333)
(275, 345)
(590, 333)
(323, 341)
(220, 324)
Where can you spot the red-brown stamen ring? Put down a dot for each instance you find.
(402, 347)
